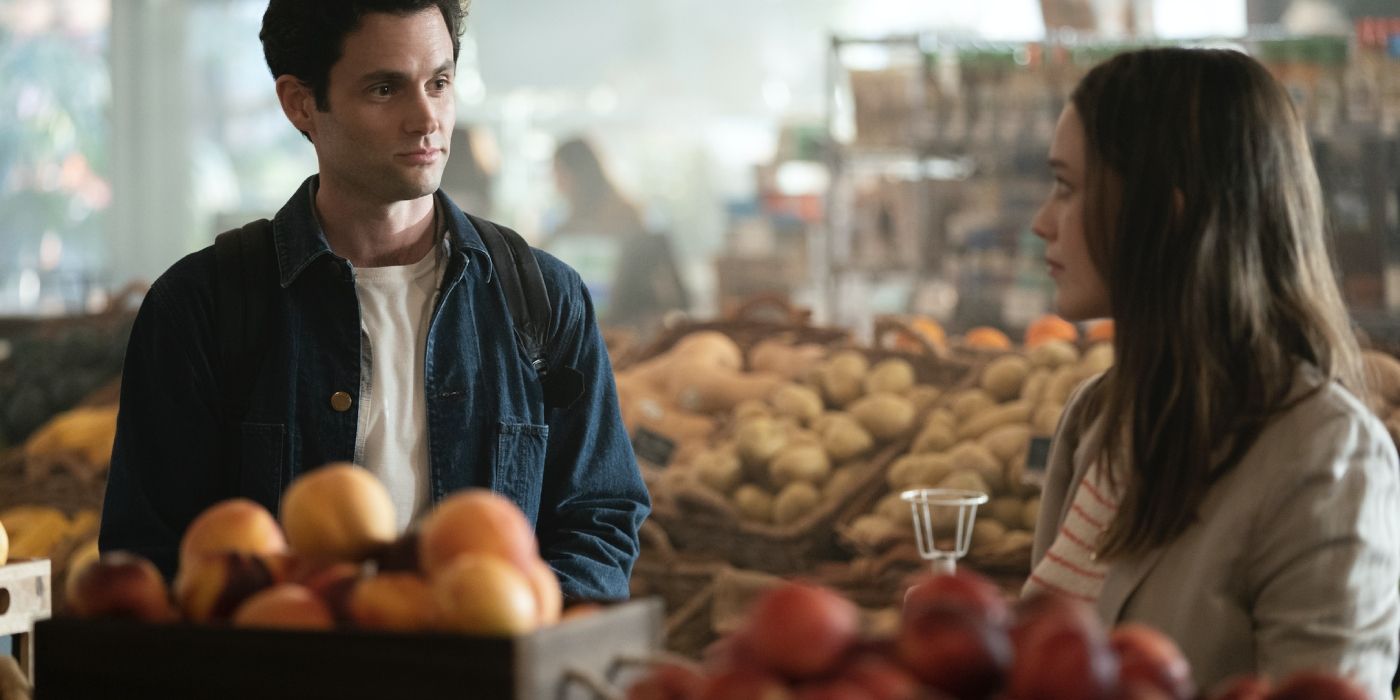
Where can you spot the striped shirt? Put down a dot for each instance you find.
(1070, 567)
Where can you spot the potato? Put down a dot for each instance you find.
(924, 396)
(796, 463)
(796, 401)
(1053, 354)
(872, 531)
(969, 402)
(894, 376)
(935, 437)
(1034, 388)
(886, 416)
(894, 509)
(845, 438)
(759, 439)
(1061, 385)
(753, 503)
(1096, 359)
(1006, 441)
(1004, 376)
(1030, 512)
(719, 470)
(966, 480)
(843, 378)
(980, 423)
(918, 471)
(840, 483)
(752, 408)
(944, 416)
(1006, 510)
(795, 501)
(791, 361)
(1046, 419)
(970, 456)
(986, 534)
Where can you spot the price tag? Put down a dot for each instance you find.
(1037, 459)
(653, 448)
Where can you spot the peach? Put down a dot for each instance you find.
(209, 588)
(120, 584)
(284, 606)
(548, 595)
(235, 525)
(331, 583)
(483, 594)
(476, 521)
(338, 511)
(394, 601)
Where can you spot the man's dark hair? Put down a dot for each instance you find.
(304, 38)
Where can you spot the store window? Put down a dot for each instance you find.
(54, 187)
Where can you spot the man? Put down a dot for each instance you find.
(389, 343)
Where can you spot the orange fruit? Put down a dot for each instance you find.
(987, 338)
(1050, 327)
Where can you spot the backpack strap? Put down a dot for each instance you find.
(524, 288)
(247, 275)
(527, 299)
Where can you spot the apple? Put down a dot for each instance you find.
(1061, 652)
(1145, 655)
(800, 630)
(120, 585)
(954, 650)
(1313, 685)
(964, 589)
(667, 682)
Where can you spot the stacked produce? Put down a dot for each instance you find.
(957, 639)
(41, 532)
(78, 440)
(334, 560)
(977, 438)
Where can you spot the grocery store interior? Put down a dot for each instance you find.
(842, 189)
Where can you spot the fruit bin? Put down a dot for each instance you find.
(26, 597)
(103, 658)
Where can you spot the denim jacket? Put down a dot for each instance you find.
(570, 469)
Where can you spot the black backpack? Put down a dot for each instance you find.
(247, 276)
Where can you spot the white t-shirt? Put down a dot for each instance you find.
(396, 306)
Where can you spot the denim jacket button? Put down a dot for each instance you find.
(341, 401)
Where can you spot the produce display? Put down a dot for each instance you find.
(41, 532)
(333, 560)
(79, 440)
(977, 438)
(957, 639)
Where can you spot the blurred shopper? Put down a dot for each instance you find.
(631, 271)
(388, 323)
(1224, 481)
(469, 176)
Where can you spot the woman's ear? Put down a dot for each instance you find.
(298, 104)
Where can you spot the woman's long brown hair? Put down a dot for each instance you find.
(1205, 217)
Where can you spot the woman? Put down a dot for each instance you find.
(1223, 482)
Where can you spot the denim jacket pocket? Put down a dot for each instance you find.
(260, 474)
(518, 471)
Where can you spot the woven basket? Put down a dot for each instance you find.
(931, 365)
(703, 523)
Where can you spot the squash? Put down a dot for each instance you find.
(700, 388)
(791, 362)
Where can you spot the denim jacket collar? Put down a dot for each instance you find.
(296, 250)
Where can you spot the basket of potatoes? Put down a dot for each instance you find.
(978, 438)
(767, 491)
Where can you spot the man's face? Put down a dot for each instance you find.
(384, 138)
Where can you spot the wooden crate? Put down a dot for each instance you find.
(119, 658)
(26, 597)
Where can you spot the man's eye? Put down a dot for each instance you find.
(441, 83)
(381, 91)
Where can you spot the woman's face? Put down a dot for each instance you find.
(1080, 290)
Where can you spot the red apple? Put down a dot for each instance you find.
(1311, 685)
(800, 630)
(1145, 655)
(954, 650)
(837, 689)
(122, 585)
(882, 678)
(1249, 687)
(964, 589)
(1062, 653)
(743, 685)
(667, 682)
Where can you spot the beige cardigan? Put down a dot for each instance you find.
(1293, 562)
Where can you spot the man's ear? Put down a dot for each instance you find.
(298, 103)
